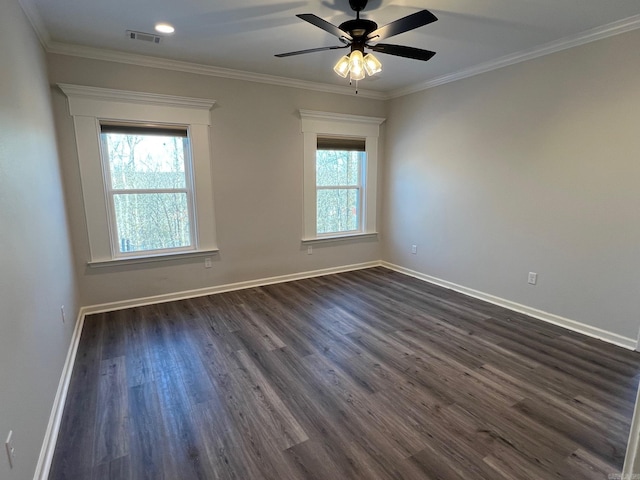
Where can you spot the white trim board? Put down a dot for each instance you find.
(53, 427)
(573, 325)
(229, 287)
(632, 457)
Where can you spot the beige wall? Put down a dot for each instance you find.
(533, 167)
(257, 168)
(36, 274)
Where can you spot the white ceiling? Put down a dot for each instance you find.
(470, 35)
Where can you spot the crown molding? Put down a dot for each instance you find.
(598, 33)
(189, 67)
(30, 10)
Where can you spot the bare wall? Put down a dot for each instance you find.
(534, 167)
(36, 269)
(257, 167)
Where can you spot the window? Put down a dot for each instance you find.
(340, 175)
(148, 185)
(145, 168)
(339, 185)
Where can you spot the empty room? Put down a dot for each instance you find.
(338, 239)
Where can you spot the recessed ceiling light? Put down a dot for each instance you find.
(164, 28)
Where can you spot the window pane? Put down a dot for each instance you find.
(152, 221)
(145, 161)
(338, 210)
(338, 168)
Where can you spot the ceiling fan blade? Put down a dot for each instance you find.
(404, 24)
(402, 51)
(324, 25)
(310, 50)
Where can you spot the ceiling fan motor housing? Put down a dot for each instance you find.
(359, 29)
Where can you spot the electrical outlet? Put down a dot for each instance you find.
(414, 249)
(62, 313)
(309, 250)
(11, 451)
(207, 262)
(533, 278)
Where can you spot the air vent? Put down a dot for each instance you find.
(144, 37)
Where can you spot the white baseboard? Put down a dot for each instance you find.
(51, 434)
(201, 292)
(595, 332)
(632, 457)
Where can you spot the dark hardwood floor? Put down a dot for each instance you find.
(362, 375)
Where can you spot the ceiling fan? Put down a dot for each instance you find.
(359, 33)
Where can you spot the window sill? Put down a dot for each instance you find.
(338, 238)
(151, 258)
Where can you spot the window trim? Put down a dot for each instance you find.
(314, 124)
(91, 105)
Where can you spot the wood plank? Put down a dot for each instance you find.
(274, 414)
(147, 436)
(73, 456)
(112, 419)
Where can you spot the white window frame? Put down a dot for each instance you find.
(360, 188)
(111, 192)
(89, 106)
(316, 124)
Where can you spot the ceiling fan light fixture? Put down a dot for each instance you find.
(371, 64)
(342, 67)
(356, 65)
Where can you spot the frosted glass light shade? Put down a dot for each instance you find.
(342, 67)
(164, 28)
(356, 64)
(371, 64)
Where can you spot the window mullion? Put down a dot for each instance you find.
(338, 187)
(142, 191)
